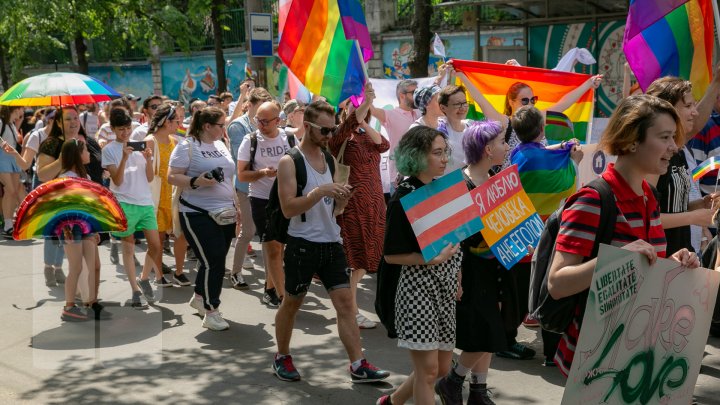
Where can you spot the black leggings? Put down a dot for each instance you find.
(211, 243)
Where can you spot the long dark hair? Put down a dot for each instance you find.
(164, 113)
(57, 128)
(71, 157)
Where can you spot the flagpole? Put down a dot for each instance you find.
(717, 28)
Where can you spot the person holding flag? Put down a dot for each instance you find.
(520, 94)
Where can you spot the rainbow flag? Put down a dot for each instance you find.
(314, 47)
(706, 168)
(249, 74)
(355, 26)
(558, 127)
(670, 38)
(494, 79)
(548, 176)
(442, 212)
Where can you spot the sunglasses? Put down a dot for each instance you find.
(324, 131)
(154, 106)
(264, 122)
(526, 101)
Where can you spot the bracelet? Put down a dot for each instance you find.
(192, 183)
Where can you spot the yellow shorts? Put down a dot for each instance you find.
(164, 219)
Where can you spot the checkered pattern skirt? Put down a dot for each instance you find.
(425, 306)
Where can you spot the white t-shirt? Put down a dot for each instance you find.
(10, 135)
(135, 188)
(457, 158)
(90, 122)
(205, 157)
(268, 154)
(71, 173)
(139, 133)
(35, 138)
(105, 132)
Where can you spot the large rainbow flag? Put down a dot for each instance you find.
(548, 176)
(671, 37)
(315, 48)
(494, 79)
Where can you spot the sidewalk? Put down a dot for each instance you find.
(163, 355)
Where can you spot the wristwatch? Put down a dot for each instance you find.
(192, 183)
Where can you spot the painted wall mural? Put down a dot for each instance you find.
(547, 44)
(135, 79)
(185, 78)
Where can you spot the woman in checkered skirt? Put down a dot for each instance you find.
(426, 293)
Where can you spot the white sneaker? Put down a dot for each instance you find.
(248, 264)
(197, 303)
(364, 323)
(214, 321)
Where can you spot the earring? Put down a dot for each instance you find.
(490, 155)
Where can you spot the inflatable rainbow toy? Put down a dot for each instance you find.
(65, 202)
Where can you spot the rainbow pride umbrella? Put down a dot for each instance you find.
(68, 201)
(57, 89)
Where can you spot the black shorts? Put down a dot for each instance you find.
(303, 259)
(257, 206)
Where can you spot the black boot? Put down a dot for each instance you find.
(449, 389)
(479, 395)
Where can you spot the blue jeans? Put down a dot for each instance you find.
(53, 252)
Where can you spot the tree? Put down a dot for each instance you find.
(420, 26)
(216, 13)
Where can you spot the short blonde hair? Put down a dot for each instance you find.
(630, 121)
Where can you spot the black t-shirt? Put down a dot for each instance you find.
(53, 145)
(399, 235)
(674, 197)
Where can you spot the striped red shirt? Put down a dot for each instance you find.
(638, 218)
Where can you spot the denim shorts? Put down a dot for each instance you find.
(303, 259)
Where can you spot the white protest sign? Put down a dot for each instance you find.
(643, 333)
(593, 163)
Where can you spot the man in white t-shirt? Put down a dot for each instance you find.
(398, 120)
(150, 106)
(259, 168)
(131, 173)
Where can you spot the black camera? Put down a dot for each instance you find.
(217, 174)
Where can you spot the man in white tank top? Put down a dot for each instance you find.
(314, 246)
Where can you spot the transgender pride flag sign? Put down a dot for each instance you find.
(442, 212)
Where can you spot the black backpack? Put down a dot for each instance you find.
(555, 315)
(277, 225)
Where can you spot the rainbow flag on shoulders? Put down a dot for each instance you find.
(548, 176)
(558, 127)
(316, 49)
(494, 79)
(442, 212)
(706, 168)
(670, 38)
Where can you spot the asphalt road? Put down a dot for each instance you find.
(163, 355)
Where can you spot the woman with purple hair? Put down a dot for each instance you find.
(479, 330)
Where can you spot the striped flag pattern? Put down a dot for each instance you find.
(494, 79)
(442, 212)
(706, 168)
(558, 127)
(670, 38)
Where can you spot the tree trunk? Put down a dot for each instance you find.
(418, 61)
(218, 40)
(3, 68)
(81, 50)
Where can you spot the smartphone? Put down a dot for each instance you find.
(137, 146)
